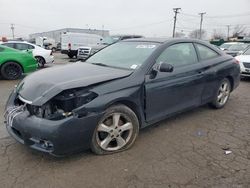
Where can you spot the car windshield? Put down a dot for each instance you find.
(225, 45)
(125, 55)
(237, 47)
(110, 40)
(247, 52)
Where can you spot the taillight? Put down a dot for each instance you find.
(69, 46)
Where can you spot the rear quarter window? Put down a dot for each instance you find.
(206, 52)
(11, 45)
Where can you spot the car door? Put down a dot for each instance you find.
(209, 60)
(167, 93)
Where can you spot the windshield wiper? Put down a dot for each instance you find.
(100, 64)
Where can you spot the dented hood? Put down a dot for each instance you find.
(42, 85)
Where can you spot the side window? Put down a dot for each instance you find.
(30, 46)
(21, 46)
(11, 45)
(205, 52)
(180, 54)
(126, 37)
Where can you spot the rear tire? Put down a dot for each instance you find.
(11, 71)
(53, 49)
(222, 94)
(116, 131)
(70, 54)
(40, 61)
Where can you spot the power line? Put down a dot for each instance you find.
(230, 16)
(219, 16)
(191, 15)
(139, 26)
(176, 11)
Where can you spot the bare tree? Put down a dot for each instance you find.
(196, 34)
(179, 34)
(218, 35)
(239, 30)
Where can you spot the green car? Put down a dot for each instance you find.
(14, 63)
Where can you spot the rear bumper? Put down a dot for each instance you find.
(31, 67)
(49, 59)
(67, 52)
(64, 51)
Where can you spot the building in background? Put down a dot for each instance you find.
(56, 34)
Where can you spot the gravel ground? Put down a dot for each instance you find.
(187, 150)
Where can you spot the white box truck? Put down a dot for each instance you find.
(70, 42)
(47, 43)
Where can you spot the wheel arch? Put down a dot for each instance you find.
(231, 80)
(133, 106)
(40, 57)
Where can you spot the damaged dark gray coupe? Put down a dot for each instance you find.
(103, 103)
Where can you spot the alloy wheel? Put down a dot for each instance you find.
(224, 92)
(114, 132)
(11, 71)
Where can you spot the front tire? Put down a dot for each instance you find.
(11, 71)
(116, 131)
(222, 94)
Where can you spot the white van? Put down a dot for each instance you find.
(70, 42)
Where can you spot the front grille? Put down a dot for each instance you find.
(248, 73)
(84, 52)
(246, 65)
(11, 113)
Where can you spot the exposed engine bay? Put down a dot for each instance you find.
(61, 105)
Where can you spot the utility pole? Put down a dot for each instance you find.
(228, 29)
(201, 14)
(102, 30)
(176, 11)
(12, 29)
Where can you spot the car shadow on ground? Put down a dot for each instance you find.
(2, 79)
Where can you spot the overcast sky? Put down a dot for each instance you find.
(146, 17)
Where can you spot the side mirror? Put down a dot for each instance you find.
(165, 67)
(161, 67)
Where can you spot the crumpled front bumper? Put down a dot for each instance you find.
(59, 137)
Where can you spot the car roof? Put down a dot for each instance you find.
(15, 41)
(25, 42)
(126, 36)
(165, 40)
